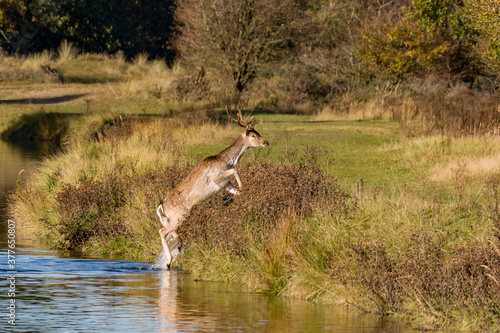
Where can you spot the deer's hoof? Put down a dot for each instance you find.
(228, 201)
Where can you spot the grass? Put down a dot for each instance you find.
(66, 51)
(409, 226)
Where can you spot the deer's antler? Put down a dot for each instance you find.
(240, 120)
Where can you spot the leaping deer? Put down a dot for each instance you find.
(210, 176)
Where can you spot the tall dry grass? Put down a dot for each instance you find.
(27, 69)
(454, 111)
(120, 79)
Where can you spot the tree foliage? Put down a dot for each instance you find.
(484, 15)
(433, 35)
(396, 50)
(132, 26)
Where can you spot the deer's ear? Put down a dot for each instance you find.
(247, 129)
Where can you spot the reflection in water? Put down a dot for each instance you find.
(74, 294)
(13, 163)
(12, 160)
(185, 305)
(67, 294)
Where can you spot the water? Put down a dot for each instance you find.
(58, 293)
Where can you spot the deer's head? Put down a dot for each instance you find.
(250, 135)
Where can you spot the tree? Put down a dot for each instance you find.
(132, 26)
(234, 38)
(433, 35)
(485, 17)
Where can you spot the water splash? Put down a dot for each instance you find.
(174, 243)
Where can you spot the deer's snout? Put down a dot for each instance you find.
(266, 143)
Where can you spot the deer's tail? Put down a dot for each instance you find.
(160, 208)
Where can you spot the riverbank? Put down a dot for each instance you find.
(349, 208)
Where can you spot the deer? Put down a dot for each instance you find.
(212, 175)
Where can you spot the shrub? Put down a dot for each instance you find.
(466, 277)
(484, 16)
(430, 36)
(90, 210)
(270, 191)
(462, 111)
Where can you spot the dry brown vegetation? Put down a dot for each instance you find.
(443, 284)
(92, 209)
(460, 112)
(272, 191)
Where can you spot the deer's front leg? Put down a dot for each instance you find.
(228, 174)
(237, 177)
(231, 189)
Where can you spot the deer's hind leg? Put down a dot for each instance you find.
(164, 232)
(170, 223)
(165, 220)
(163, 236)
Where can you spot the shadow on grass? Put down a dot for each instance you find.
(43, 100)
(91, 79)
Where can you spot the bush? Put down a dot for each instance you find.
(91, 210)
(459, 112)
(270, 191)
(463, 278)
(431, 35)
(485, 18)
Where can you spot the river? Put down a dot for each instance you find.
(47, 291)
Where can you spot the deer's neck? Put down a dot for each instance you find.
(232, 154)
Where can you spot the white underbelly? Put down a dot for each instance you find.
(201, 194)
